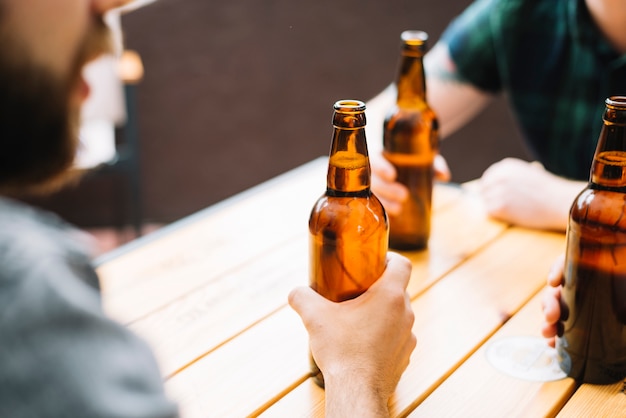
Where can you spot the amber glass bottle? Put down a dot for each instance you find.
(348, 228)
(593, 347)
(410, 143)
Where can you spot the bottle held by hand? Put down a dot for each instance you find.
(593, 347)
(410, 144)
(348, 227)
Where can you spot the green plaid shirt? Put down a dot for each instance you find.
(554, 66)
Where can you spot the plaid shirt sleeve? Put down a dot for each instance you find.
(470, 40)
(554, 65)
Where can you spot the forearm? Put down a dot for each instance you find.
(455, 102)
(376, 111)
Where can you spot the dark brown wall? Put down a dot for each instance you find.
(237, 92)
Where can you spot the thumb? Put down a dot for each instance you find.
(307, 303)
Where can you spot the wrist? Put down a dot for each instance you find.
(570, 191)
(559, 195)
(353, 396)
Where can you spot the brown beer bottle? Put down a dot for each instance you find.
(348, 228)
(410, 143)
(593, 346)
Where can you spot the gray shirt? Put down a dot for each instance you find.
(60, 356)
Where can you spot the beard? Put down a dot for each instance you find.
(38, 122)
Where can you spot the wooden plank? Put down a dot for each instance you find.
(180, 341)
(201, 321)
(245, 374)
(607, 401)
(304, 401)
(456, 316)
(208, 245)
(470, 304)
(195, 324)
(456, 235)
(478, 389)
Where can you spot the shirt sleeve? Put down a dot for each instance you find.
(472, 45)
(60, 356)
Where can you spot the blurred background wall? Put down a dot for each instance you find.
(237, 92)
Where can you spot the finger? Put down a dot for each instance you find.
(442, 171)
(494, 205)
(485, 184)
(392, 208)
(548, 330)
(551, 305)
(306, 302)
(383, 168)
(397, 271)
(487, 174)
(391, 195)
(495, 174)
(555, 275)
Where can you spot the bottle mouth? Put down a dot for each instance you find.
(414, 41)
(414, 37)
(349, 106)
(349, 114)
(616, 102)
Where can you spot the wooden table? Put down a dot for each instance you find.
(210, 294)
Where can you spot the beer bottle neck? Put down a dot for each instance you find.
(608, 169)
(411, 81)
(348, 167)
